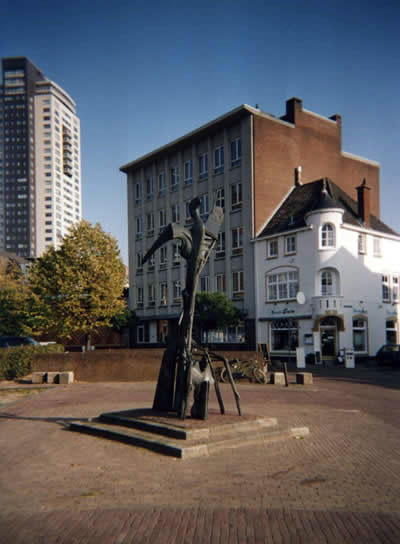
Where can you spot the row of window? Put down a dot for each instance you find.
(236, 246)
(188, 172)
(236, 202)
(327, 240)
(220, 286)
(284, 285)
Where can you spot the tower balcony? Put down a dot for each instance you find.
(326, 304)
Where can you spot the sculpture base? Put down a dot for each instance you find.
(166, 434)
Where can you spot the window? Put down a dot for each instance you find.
(203, 166)
(220, 245)
(174, 178)
(238, 284)
(377, 247)
(220, 283)
(385, 289)
(219, 159)
(151, 262)
(204, 283)
(162, 218)
(139, 229)
(272, 249)
(139, 296)
(150, 294)
(236, 196)
(360, 335)
(163, 255)
(391, 331)
(237, 240)
(177, 290)
(220, 198)
(204, 207)
(161, 183)
(284, 335)
(139, 261)
(362, 244)
(175, 213)
(188, 217)
(236, 152)
(138, 193)
(143, 335)
(163, 293)
(290, 245)
(395, 288)
(176, 256)
(282, 285)
(327, 236)
(188, 172)
(150, 223)
(327, 283)
(150, 188)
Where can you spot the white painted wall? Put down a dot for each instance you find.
(360, 280)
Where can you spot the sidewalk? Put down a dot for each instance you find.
(341, 484)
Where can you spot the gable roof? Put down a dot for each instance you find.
(311, 197)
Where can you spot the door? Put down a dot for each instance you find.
(328, 342)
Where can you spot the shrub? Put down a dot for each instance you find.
(16, 362)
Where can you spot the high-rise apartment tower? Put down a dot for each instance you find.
(40, 166)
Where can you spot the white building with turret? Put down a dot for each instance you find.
(327, 275)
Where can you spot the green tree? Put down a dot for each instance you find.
(78, 287)
(14, 312)
(215, 311)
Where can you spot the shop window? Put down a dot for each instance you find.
(391, 331)
(284, 335)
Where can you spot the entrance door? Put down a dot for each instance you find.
(328, 342)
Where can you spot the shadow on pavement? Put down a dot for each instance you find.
(62, 421)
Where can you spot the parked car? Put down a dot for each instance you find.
(11, 341)
(389, 354)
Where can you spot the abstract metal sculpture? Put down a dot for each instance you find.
(178, 374)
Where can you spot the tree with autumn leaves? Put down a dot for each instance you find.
(76, 288)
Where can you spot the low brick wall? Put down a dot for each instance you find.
(121, 365)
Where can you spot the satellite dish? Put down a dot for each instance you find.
(300, 297)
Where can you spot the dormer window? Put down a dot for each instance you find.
(327, 236)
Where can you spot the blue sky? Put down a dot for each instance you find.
(144, 73)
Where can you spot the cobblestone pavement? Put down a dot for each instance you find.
(340, 484)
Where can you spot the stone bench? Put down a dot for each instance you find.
(277, 378)
(53, 377)
(304, 378)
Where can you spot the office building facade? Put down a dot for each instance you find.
(40, 165)
(244, 161)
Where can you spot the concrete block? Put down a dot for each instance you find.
(38, 377)
(278, 378)
(52, 377)
(304, 378)
(66, 377)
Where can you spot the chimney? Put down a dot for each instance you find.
(293, 105)
(363, 204)
(297, 176)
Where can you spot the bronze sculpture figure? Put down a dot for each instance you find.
(178, 375)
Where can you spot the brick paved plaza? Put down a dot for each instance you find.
(340, 484)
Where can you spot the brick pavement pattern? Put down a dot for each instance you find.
(340, 484)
